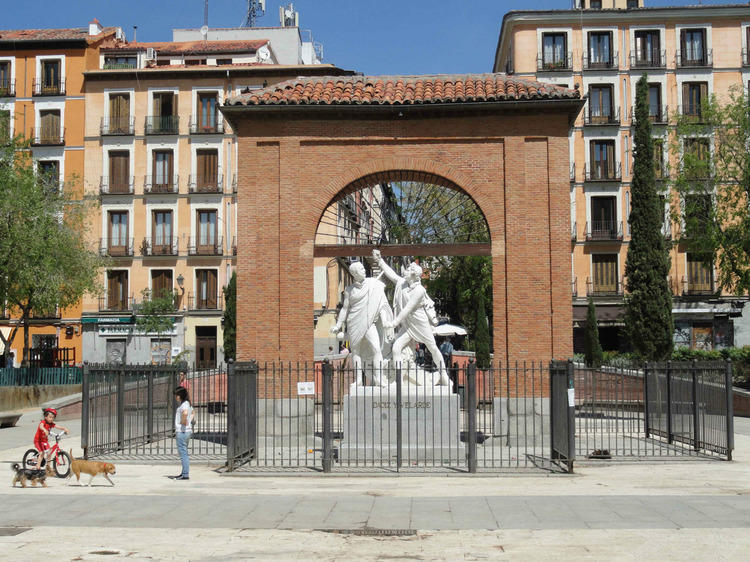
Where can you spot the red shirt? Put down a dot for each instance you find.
(40, 435)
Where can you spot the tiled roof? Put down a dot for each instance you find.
(402, 90)
(192, 47)
(51, 34)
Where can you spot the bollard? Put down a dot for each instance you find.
(327, 415)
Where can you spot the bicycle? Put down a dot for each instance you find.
(60, 459)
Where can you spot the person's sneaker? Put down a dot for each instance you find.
(175, 477)
(183, 478)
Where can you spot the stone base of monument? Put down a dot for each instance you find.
(431, 424)
(521, 420)
(286, 417)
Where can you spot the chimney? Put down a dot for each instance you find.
(95, 28)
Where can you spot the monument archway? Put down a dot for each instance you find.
(500, 140)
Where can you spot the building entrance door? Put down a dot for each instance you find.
(205, 347)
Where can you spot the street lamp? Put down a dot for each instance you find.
(180, 281)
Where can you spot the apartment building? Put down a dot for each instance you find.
(163, 163)
(603, 48)
(41, 96)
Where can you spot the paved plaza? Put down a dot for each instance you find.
(617, 510)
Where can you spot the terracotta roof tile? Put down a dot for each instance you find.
(192, 47)
(402, 90)
(51, 34)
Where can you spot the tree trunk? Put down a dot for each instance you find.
(25, 322)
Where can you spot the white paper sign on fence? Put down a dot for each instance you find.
(571, 397)
(306, 388)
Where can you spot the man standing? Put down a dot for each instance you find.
(414, 313)
(365, 306)
(446, 349)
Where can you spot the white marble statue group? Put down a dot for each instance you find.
(382, 337)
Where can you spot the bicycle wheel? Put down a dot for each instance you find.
(62, 464)
(29, 459)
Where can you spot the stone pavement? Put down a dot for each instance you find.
(662, 510)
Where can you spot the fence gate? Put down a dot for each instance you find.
(562, 413)
(242, 414)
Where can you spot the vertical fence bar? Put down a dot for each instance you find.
(327, 413)
(571, 422)
(120, 410)
(729, 409)
(670, 437)
(85, 410)
(471, 412)
(696, 419)
(150, 412)
(399, 420)
(646, 371)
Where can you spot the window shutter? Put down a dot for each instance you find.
(211, 294)
(685, 98)
(610, 160)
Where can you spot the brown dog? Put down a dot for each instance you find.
(23, 475)
(93, 468)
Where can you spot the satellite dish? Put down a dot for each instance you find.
(263, 54)
(204, 31)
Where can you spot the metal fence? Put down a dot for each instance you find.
(129, 412)
(664, 410)
(30, 376)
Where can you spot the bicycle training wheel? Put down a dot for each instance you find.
(62, 464)
(29, 459)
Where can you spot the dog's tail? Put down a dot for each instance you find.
(72, 458)
(15, 467)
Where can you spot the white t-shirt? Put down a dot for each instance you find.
(178, 427)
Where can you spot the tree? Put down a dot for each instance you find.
(648, 304)
(713, 187)
(482, 335)
(593, 354)
(156, 312)
(45, 259)
(230, 318)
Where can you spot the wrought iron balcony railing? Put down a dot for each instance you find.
(661, 118)
(234, 245)
(162, 124)
(107, 304)
(604, 230)
(596, 288)
(198, 247)
(698, 287)
(198, 126)
(602, 172)
(600, 63)
(554, 64)
(54, 88)
(574, 287)
(165, 184)
(685, 59)
(117, 126)
(608, 117)
(117, 248)
(745, 57)
(43, 136)
(655, 59)
(574, 232)
(160, 246)
(234, 184)
(7, 88)
(205, 302)
(116, 186)
(202, 184)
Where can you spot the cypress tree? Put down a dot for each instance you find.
(230, 318)
(594, 356)
(648, 304)
(482, 335)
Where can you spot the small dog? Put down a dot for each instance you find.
(33, 475)
(92, 468)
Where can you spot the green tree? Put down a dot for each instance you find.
(230, 318)
(46, 261)
(591, 347)
(482, 335)
(156, 312)
(713, 184)
(648, 304)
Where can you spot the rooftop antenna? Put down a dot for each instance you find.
(255, 9)
(205, 14)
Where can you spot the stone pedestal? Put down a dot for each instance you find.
(430, 427)
(521, 420)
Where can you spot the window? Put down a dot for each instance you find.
(207, 232)
(208, 169)
(554, 50)
(654, 102)
(119, 171)
(161, 225)
(118, 233)
(698, 208)
(122, 61)
(51, 80)
(206, 287)
(49, 127)
(164, 120)
(697, 158)
(602, 164)
(163, 171)
(6, 87)
(693, 47)
(50, 172)
(595, 4)
(195, 62)
(693, 95)
(604, 218)
(223, 61)
(659, 168)
(632, 4)
(207, 112)
(600, 104)
(647, 48)
(119, 114)
(117, 290)
(699, 274)
(605, 273)
(600, 49)
(161, 282)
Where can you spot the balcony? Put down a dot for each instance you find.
(211, 302)
(601, 289)
(698, 287)
(122, 248)
(684, 59)
(46, 315)
(574, 232)
(234, 184)
(574, 287)
(56, 88)
(215, 128)
(603, 173)
(162, 125)
(555, 65)
(199, 184)
(661, 118)
(7, 88)
(599, 64)
(162, 185)
(611, 119)
(116, 186)
(745, 57)
(117, 126)
(116, 305)
(573, 171)
(198, 248)
(656, 59)
(604, 230)
(42, 136)
(155, 247)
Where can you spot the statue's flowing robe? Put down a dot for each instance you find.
(416, 323)
(365, 305)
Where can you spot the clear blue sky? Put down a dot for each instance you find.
(374, 37)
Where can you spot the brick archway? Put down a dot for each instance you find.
(503, 141)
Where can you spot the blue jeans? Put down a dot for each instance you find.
(182, 448)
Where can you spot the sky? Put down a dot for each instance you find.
(373, 37)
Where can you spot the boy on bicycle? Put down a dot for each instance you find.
(41, 437)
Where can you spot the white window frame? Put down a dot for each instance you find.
(12, 61)
(568, 31)
(662, 29)
(61, 58)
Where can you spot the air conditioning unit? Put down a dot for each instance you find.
(150, 53)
